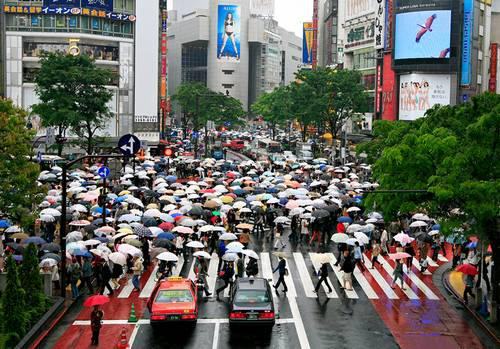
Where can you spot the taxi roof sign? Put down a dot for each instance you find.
(175, 278)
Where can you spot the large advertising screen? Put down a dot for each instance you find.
(307, 43)
(420, 92)
(423, 34)
(94, 4)
(228, 33)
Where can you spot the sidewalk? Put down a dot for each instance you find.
(454, 282)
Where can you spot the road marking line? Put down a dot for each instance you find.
(417, 265)
(212, 273)
(431, 262)
(316, 266)
(380, 280)
(442, 258)
(304, 275)
(422, 286)
(350, 294)
(127, 289)
(133, 335)
(365, 285)
(178, 267)
(267, 272)
(147, 322)
(150, 284)
(299, 325)
(191, 274)
(215, 342)
(408, 291)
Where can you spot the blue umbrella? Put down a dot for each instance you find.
(17, 257)
(4, 224)
(101, 239)
(472, 244)
(121, 198)
(283, 201)
(436, 227)
(176, 215)
(99, 210)
(171, 178)
(272, 190)
(36, 240)
(344, 219)
(82, 253)
(168, 236)
(239, 192)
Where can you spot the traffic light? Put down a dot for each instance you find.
(141, 155)
(168, 152)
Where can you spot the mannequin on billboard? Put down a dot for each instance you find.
(229, 33)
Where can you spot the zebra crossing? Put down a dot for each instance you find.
(372, 283)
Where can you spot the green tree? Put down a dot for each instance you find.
(14, 319)
(73, 95)
(31, 282)
(18, 175)
(453, 154)
(275, 107)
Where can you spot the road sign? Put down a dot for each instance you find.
(129, 145)
(103, 172)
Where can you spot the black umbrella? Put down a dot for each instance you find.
(90, 228)
(149, 221)
(196, 211)
(332, 208)
(16, 247)
(321, 213)
(51, 247)
(51, 255)
(142, 231)
(163, 243)
(150, 194)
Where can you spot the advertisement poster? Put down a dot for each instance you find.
(466, 75)
(356, 8)
(423, 34)
(420, 92)
(307, 43)
(228, 33)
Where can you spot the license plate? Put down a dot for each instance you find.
(174, 317)
(252, 316)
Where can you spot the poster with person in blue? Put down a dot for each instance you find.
(228, 33)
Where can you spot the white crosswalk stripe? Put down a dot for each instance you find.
(407, 290)
(178, 267)
(360, 278)
(442, 258)
(212, 273)
(127, 289)
(304, 275)
(380, 280)
(350, 293)
(192, 274)
(150, 284)
(431, 262)
(417, 265)
(316, 266)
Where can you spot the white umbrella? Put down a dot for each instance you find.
(230, 257)
(74, 236)
(118, 258)
(207, 228)
(353, 209)
(188, 222)
(153, 212)
(340, 238)
(239, 204)
(78, 208)
(168, 257)
(202, 254)
(104, 248)
(352, 241)
(47, 218)
(48, 261)
(195, 244)
(129, 249)
(433, 232)
(371, 220)
(420, 217)
(418, 224)
(155, 231)
(91, 242)
(321, 258)
(183, 230)
(250, 253)
(273, 201)
(99, 253)
(228, 237)
(362, 237)
(354, 228)
(235, 247)
(129, 218)
(282, 220)
(50, 212)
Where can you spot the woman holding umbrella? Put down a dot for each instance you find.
(96, 315)
(398, 274)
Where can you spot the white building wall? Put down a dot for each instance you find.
(184, 7)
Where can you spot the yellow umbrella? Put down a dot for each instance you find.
(151, 206)
(125, 230)
(226, 199)
(124, 192)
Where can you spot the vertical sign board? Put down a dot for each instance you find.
(307, 42)
(229, 33)
(467, 43)
(315, 35)
(164, 68)
(492, 87)
(388, 25)
(380, 24)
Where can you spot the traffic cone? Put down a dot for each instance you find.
(133, 317)
(122, 343)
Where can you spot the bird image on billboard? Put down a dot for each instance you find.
(423, 34)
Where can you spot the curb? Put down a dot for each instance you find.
(485, 325)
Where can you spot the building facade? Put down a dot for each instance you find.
(230, 47)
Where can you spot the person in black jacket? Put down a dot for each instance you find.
(116, 275)
(105, 278)
(281, 268)
(227, 278)
(252, 267)
(347, 268)
(323, 275)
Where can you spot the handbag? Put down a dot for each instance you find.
(286, 271)
(222, 273)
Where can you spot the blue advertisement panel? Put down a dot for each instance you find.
(228, 33)
(98, 4)
(467, 43)
(423, 34)
(307, 43)
(62, 3)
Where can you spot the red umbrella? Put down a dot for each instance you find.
(166, 226)
(179, 218)
(467, 269)
(96, 300)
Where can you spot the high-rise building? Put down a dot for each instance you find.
(231, 47)
(121, 35)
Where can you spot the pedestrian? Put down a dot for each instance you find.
(87, 275)
(202, 275)
(105, 278)
(282, 271)
(227, 277)
(323, 277)
(258, 227)
(375, 253)
(75, 273)
(96, 323)
(137, 271)
(384, 237)
(409, 260)
(398, 274)
(252, 268)
(116, 274)
(221, 251)
(358, 256)
(245, 237)
(279, 230)
(469, 284)
(347, 267)
(295, 226)
(304, 230)
(240, 266)
(145, 252)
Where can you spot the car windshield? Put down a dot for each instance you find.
(251, 296)
(174, 296)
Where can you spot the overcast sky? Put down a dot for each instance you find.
(290, 13)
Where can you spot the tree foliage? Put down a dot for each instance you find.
(14, 320)
(18, 175)
(275, 107)
(73, 96)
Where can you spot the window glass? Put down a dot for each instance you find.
(174, 296)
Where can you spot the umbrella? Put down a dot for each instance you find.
(80, 223)
(91, 242)
(202, 254)
(118, 258)
(51, 247)
(135, 243)
(211, 204)
(250, 253)
(4, 224)
(168, 257)
(230, 257)
(142, 231)
(362, 237)
(399, 255)
(47, 218)
(467, 269)
(183, 230)
(433, 232)
(20, 236)
(321, 214)
(48, 261)
(99, 253)
(51, 256)
(403, 238)
(320, 258)
(228, 237)
(74, 236)
(353, 209)
(13, 229)
(244, 226)
(163, 243)
(96, 300)
(418, 224)
(196, 211)
(195, 244)
(340, 238)
(352, 241)
(282, 220)
(36, 240)
(344, 219)
(420, 217)
(129, 249)
(168, 236)
(155, 251)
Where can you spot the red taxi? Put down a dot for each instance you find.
(173, 300)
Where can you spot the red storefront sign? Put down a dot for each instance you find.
(493, 67)
(389, 94)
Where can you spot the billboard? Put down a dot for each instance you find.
(228, 33)
(466, 75)
(307, 43)
(423, 34)
(263, 8)
(492, 86)
(93, 4)
(380, 25)
(356, 8)
(420, 92)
